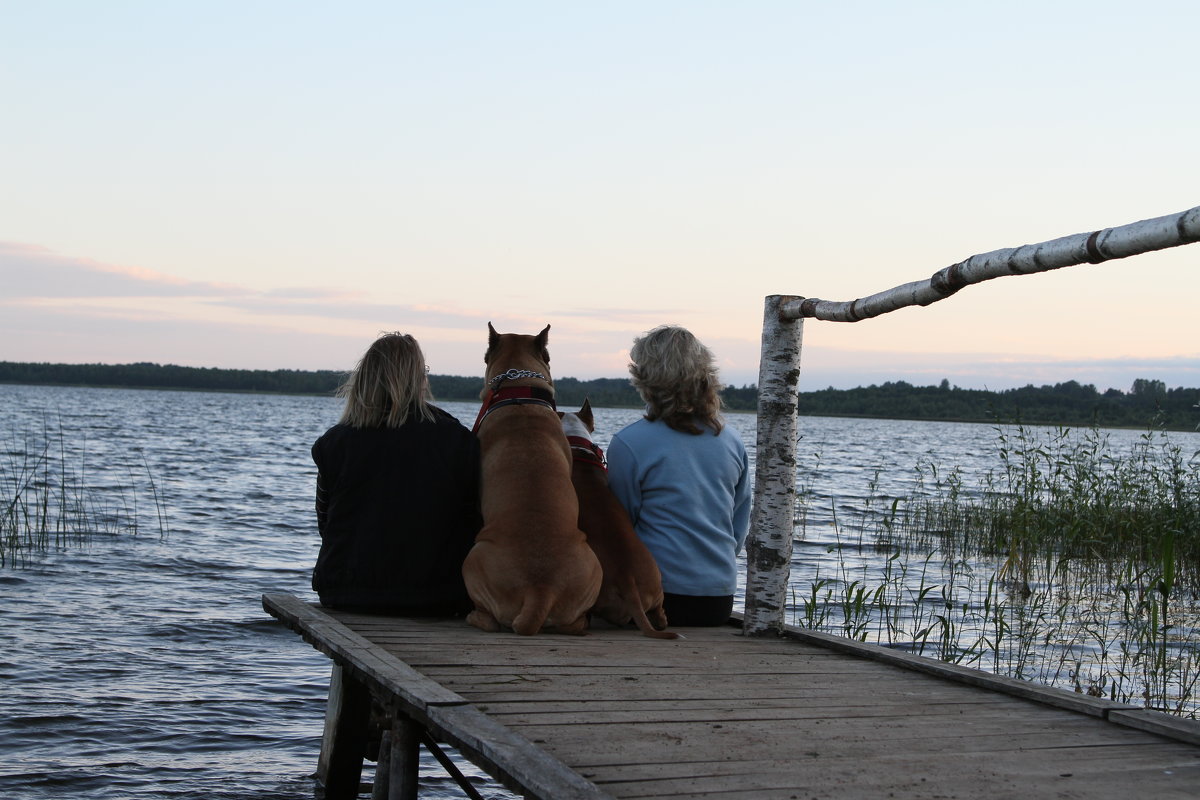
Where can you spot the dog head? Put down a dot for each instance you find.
(579, 423)
(517, 351)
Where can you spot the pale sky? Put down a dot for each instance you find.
(267, 184)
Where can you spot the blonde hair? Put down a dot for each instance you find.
(677, 377)
(388, 385)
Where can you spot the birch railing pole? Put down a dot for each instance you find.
(1095, 247)
(769, 546)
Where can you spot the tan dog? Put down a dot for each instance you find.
(632, 587)
(531, 568)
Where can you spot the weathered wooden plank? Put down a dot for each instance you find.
(865, 736)
(615, 653)
(1081, 703)
(1000, 718)
(653, 765)
(1185, 730)
(978, 703)
(514, 760)
(334, 639)
(672, 684)
(632, 671)
(485, 694)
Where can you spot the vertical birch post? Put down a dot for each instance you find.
(769, 547)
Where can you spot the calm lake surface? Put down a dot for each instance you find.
(143, 666)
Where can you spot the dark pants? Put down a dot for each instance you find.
(696, 611)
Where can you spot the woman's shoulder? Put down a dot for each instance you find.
(330, 443)
(731, 437)
(647, 435)
(334, 433)
(638, 428)
(445, 420)
(440, 414)
(441, 424)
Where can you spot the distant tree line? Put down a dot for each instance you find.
(1147, 401)
(144, 375)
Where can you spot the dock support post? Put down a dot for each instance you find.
(769, 546)
(398, 770)
(344, 741)
(404, 758)
(383, 768)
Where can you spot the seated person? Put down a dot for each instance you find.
(683, 476)
(397, 492)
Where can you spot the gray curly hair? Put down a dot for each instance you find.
(677, 377)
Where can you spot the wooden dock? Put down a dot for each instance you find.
(722, 716)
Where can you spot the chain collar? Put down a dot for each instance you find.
(514, 374)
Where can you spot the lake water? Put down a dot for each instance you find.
(143, 666)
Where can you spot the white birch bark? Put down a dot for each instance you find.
(769, 545)
(1081, 248)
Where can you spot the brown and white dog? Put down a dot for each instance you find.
(531, 568)
(632, 587)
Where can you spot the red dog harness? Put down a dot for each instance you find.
(586, 451)
(517, 395)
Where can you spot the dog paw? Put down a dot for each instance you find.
(483, 620)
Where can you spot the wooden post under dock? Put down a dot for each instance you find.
(722, 716)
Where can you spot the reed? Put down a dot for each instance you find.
(50, 501)
(1073, 565)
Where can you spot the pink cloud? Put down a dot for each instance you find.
(31, 271)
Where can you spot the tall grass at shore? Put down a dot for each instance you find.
(1075, 566)
(49, 501)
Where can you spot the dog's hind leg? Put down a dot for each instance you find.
(577, 628)
(483, 620)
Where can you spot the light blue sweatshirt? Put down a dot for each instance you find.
(689, 499)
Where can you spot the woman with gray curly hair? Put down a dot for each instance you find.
(683, 476)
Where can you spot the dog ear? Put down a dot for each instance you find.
(585, 414)
(540, 343)
(493, 337)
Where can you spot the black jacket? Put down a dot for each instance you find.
(397, 509)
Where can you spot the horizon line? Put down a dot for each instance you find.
(754, 385)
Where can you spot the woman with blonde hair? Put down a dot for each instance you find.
(397, 491)
(683, 476)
